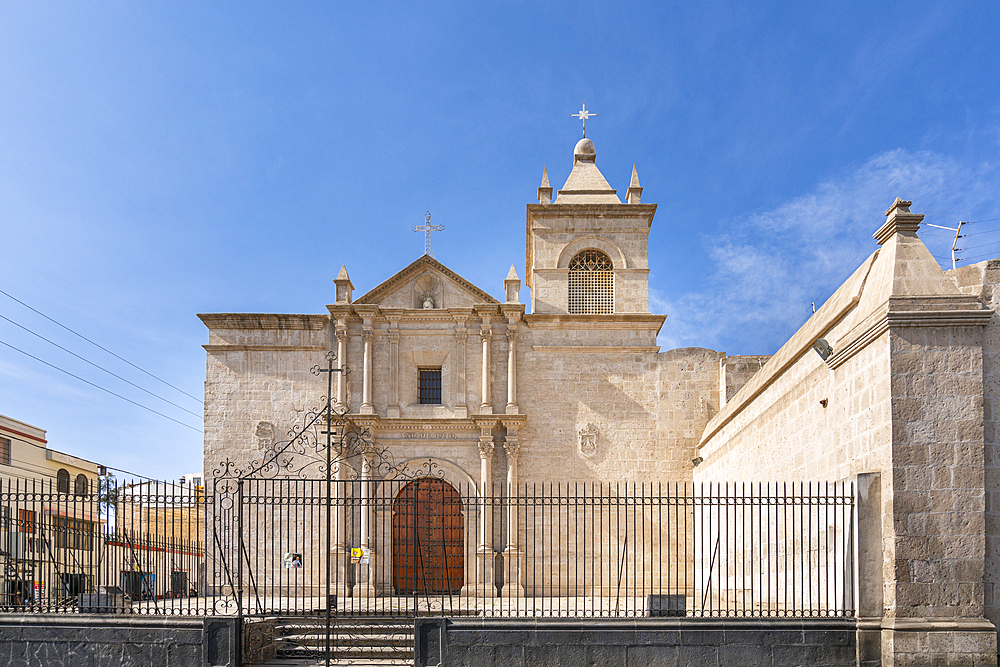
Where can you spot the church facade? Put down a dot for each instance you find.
(493, 396)
(490, 396)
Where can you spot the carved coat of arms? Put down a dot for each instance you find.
(265, 434)
(588, 440)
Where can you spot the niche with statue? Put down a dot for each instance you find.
(428, 292)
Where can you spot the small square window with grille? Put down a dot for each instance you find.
(430, 386)
(5, 451)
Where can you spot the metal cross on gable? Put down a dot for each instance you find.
(583, 115)
(427, 228)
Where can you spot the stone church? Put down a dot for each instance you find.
(901, 396)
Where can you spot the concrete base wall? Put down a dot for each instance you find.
(462, 642)
(51, 640)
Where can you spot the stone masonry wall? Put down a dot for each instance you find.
(937, 474)
(787, 433)
(735, 371)
(640, 642)
(58, 640)
(983, 279)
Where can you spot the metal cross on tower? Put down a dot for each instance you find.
(427, 228)
(583, 115)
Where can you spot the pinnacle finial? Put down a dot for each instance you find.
(634, 194)
(901, 205)
(545, 190)
(343, 273)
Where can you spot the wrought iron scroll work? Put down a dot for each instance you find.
(302, 454)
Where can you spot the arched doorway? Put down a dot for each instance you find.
(428, 538)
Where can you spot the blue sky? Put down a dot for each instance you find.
(159, 160)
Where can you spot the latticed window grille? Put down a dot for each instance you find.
(591, 284)
(430, 386)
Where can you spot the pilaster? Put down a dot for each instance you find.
(341, 332)
(392, 410)
(461, 388)
(485, 586)
(513, 556)
(486, 334)
(366, 393)
(364, 586)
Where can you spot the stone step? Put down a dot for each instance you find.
(371, 640)
(359, 653)
(339, 640)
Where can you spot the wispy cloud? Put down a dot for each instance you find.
(770, 266)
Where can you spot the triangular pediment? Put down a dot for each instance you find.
(426, 277)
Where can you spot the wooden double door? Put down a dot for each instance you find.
(428, 538)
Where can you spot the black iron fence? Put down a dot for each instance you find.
(428, 545)
(419, 545)
(104, 547)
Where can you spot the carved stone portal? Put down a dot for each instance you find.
(588, 440)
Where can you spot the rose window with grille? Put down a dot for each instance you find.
(591, 284)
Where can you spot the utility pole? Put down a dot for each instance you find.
(954, 244)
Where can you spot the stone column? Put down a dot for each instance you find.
(341, 552)
(341, 331)
(511, 370)
(513, 557)
(485, 586)
(486, 333)
(461, 391)
(392, 410)
(363, 586)
(366, 394)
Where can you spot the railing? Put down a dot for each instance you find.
(415, 546)
(106, 548)
(430, 546)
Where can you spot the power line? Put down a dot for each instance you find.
(135, 474)
(979, 257)
(179, 407)
(197, 430)
(100, 346)
(988, 231)
(983, 245)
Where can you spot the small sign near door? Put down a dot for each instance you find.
(360, 555)
(292, 561)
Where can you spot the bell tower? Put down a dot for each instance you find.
(587, 252)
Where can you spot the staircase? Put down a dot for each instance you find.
(363, 640)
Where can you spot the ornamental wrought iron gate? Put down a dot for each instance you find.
(300, 542)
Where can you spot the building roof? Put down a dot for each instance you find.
(377, 294)
(586, 184)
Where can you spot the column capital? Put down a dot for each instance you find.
(486, 447)
(366, 334)
(512, 446)
(511, 335)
